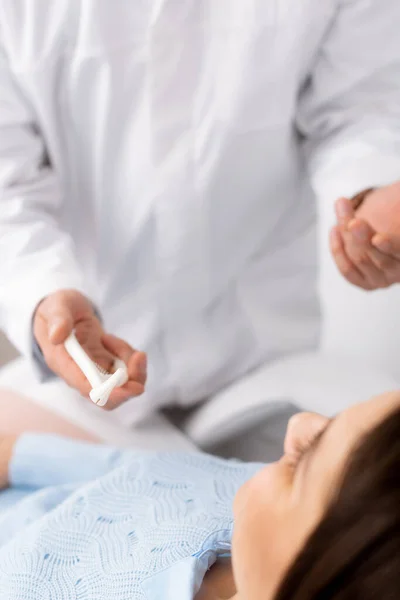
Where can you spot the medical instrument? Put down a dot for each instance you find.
(102, 382)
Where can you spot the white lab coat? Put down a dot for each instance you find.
(154, 155)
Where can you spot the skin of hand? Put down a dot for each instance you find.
(366, 244)
(7, 444)
(66, 310)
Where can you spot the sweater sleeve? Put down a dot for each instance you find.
(42, 460)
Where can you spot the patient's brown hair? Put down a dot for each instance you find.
(354, 553)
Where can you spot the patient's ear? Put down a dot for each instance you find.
(302, 429)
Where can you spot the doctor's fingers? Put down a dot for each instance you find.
(344, 211)
(135, 361)
(137, 370)
(389, 245)
(119, 396)
(64, 366)
(358, 246)
(60, 362)
(346, 267)
(389, 265)
(350, 244)
(62, 311)
(88, 333)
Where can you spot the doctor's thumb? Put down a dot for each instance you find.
(60, 325)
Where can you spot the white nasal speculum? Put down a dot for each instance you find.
(102, 382)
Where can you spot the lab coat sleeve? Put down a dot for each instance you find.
(36, 256)
(349, 110)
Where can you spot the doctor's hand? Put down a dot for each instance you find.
(55, 318)
(366, 242)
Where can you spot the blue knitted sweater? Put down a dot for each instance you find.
(84, 522)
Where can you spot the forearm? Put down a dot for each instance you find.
(7, 445)
(19, 415)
